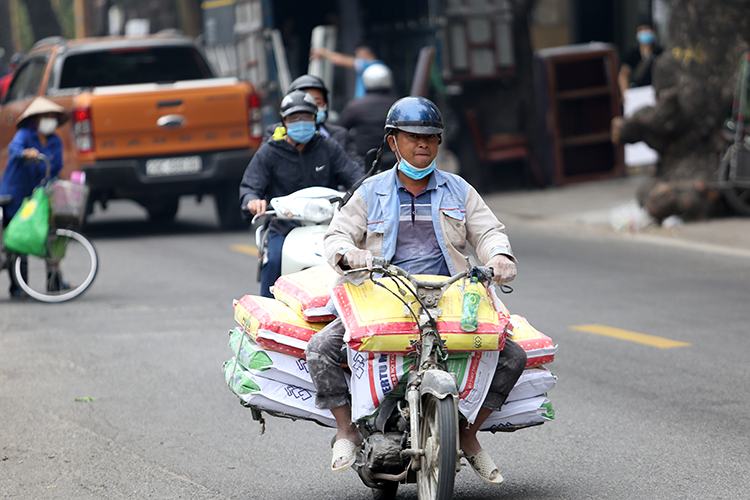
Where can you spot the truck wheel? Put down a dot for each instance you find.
(228, 207)
(163, 211)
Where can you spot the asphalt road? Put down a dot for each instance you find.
(120, 394)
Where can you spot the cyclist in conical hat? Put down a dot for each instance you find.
(36, 134)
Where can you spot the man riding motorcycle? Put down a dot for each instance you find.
(315, 87)
(299, 158)
(419, 219)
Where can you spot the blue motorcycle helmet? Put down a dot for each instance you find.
(417, 115)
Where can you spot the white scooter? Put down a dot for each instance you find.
(303, 246)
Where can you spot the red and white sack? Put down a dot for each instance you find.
(539, 348)
(378, 375)
(307, 292)
(274, 325)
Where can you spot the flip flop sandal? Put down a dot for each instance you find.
(343, 448)
(484, 466)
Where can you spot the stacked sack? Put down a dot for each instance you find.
(527, 403)
(268, 371)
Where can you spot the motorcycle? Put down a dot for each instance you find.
(303, 247)
(734, 167)
(415, 439)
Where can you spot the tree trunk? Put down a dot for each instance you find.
(43, 19)
(6, 38)
(694, 79)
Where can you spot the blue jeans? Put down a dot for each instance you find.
(272, 269)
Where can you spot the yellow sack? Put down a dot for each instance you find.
(539, 348)
(307, 292)
(274, 326)
(375, 319)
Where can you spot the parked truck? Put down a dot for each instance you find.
(149, 120)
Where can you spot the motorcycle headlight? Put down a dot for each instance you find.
(318, 210)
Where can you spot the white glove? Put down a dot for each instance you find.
(357, 258)
(503, 268)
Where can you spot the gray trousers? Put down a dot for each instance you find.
(325, 355)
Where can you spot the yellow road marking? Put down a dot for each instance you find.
(247, 249)
(212, 4)
(641, 338)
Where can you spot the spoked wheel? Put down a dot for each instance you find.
(736, 197)
(67, 271)
(437, 438)
(387, 492)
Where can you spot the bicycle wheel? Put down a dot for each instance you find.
(67, 271)
(438, 439)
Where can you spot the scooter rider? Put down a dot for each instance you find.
(300, 158)
(420, 219)
(315, 87)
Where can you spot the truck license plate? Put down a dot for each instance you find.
(173, 166)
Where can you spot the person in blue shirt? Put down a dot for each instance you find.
(363, 58)
(23, 172)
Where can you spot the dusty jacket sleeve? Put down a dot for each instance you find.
(347, 230)
(483, 231)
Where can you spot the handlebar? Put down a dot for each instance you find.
(381, 265)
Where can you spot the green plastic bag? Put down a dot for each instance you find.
(27, 231)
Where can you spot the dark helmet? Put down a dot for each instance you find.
(309, 82)
(417, 115)
(298, 101)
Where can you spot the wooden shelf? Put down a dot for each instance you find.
(568, 95)
(582, 140)
(579, 97)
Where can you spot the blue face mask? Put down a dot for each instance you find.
(301, 131)
(411, 171)
(646, 37)
(321, 116)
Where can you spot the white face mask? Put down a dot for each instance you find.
(47, 126)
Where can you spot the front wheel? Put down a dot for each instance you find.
(438, 439)
(68, 270)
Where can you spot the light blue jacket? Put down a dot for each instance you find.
(460, 216)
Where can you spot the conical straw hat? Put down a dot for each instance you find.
(39, 106)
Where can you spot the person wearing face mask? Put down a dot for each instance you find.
(422, 220)
(23, 172)
(637, 64)
(300, 158)
(315, 87)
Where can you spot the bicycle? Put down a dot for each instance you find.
(68, 269)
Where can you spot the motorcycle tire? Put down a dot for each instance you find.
(438, 438)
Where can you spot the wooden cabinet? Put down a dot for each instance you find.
(578, 97)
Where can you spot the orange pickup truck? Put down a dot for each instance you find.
(149, 121)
